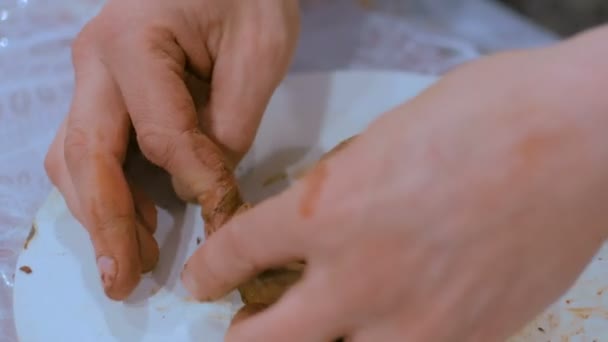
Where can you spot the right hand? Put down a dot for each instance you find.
(143, 65)
(457, 216)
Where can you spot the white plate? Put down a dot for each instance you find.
(62, 299)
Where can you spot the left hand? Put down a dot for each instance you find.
(458, 216)
(187, 81)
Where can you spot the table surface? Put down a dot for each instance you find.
(36, 76)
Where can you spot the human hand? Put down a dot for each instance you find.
(190, 79)
(479, 203)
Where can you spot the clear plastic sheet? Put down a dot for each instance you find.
(35, 89)
(36, 82)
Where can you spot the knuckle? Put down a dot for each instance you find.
(235, 143)
(276, 45)
(276, 41)
(270, 47)
(150, 37)
(202, 146)
(156, 144)
(159, 42)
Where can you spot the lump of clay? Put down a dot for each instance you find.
(270, 285)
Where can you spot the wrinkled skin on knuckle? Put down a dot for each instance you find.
(159, 41)
(209, 153)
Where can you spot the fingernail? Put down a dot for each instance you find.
(107, 270)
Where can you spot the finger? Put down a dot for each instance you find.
(58, 173)
(259, 239)
(144, 208)
(182, 191)
(95, 148)
(145, 212)
(164, 118)
(136, 166)
(199, 89)
(247, 70)
(148, 248)
(306, 313)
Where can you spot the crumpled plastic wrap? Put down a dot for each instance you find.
(36, 84)
(35, 90)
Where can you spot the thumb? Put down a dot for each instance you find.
(94, 147)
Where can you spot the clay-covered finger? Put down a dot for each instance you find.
(95, 146)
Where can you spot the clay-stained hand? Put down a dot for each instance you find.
(150, 64)
(458, 216)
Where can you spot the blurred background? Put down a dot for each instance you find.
(565, 17)
(423, 36)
